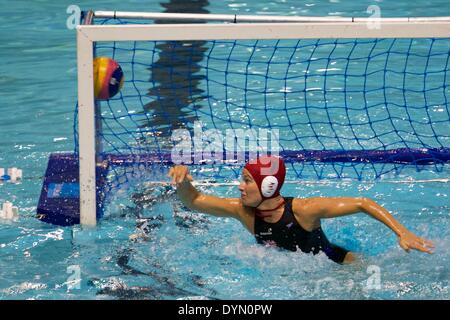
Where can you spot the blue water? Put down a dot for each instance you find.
(185, 254)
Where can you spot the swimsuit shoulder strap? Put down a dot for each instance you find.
(288, 201)
(288, 215)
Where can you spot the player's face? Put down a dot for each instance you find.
(249, 190)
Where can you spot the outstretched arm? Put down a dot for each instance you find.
(194, 200)
(336, 207)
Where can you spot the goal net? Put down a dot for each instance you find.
(335, 99)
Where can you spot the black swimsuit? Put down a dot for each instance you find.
(288, 234)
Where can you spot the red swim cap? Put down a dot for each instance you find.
(268, 173)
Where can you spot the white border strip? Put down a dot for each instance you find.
(211, 17)
(303, 182)
(250, 18)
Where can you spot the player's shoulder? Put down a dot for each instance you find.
(304, 206)
(299, 203)
(304, 210)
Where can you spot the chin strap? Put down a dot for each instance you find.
(260, 213)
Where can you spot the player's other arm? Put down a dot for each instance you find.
(323, 208)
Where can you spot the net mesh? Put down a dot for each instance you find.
(335, 108)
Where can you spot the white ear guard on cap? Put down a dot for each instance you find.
(268, 186)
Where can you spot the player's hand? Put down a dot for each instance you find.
(409, 240)
(179, 174)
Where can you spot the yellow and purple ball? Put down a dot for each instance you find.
(108, 78)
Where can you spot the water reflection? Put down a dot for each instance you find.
(176, 77)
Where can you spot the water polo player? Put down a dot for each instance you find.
(286, 222)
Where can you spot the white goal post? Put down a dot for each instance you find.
(305, 28)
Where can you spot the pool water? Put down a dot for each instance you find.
(174, 253)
